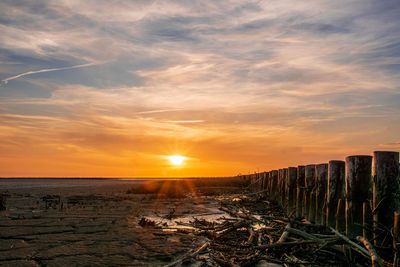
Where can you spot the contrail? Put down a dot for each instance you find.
(5, 81)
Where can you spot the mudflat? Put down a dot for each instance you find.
(96, 223)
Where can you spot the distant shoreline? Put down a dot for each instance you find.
(120, 178)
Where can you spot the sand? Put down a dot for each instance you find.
(96, 225)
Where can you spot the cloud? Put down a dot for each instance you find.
(158, 111)
(192, 121)
(271, 82)
(394, 145)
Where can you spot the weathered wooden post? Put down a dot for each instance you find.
(321, 175)
(396, 239)
(265, 184)
(261, 179)
(291, 188)
(285, 182)
(336, 190)
(313, 197)
(278, 190)
(310, 182)
(358, 184)
(271, 182)
(386, 192)
(340, 211)
(301, 182)
(367, 220)
(281, 183)
(274, 183)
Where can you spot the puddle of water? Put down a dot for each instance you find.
(184, 222)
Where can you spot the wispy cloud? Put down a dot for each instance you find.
(273, 82)
(158, 111)
(192, 121)
(394, 145)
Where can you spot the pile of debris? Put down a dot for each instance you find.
(258, 232)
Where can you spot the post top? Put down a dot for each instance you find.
(321, 164)
(386, 152)
(336, 161)
(359, 156)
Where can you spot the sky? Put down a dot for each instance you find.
(112, 88)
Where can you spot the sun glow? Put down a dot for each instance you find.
(176, 160)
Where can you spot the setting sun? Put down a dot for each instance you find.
(176, 160)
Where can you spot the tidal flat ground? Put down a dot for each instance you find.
(103, 222)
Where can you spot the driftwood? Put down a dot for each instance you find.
(258, 231)
(285, 234)
(374, 256)
(286, 244)
(369, 253)
(251, 236)
(355, 246)
(188, 256)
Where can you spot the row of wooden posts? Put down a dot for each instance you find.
(359, 196)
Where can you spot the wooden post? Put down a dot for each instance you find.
(367, 221)
(283, 190)
(274, 180)
(339, 225)
(269, 183)
(310, 182)
(336, 191)
(270, 177)
(301, 182)
(265, 179)
(364, 219)
(386, 189)
(312, 198)
(321, 175)
(274, 184)
(262, 180)
(396, 239)
(358, 184)
(279, 189)
(292, 188)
